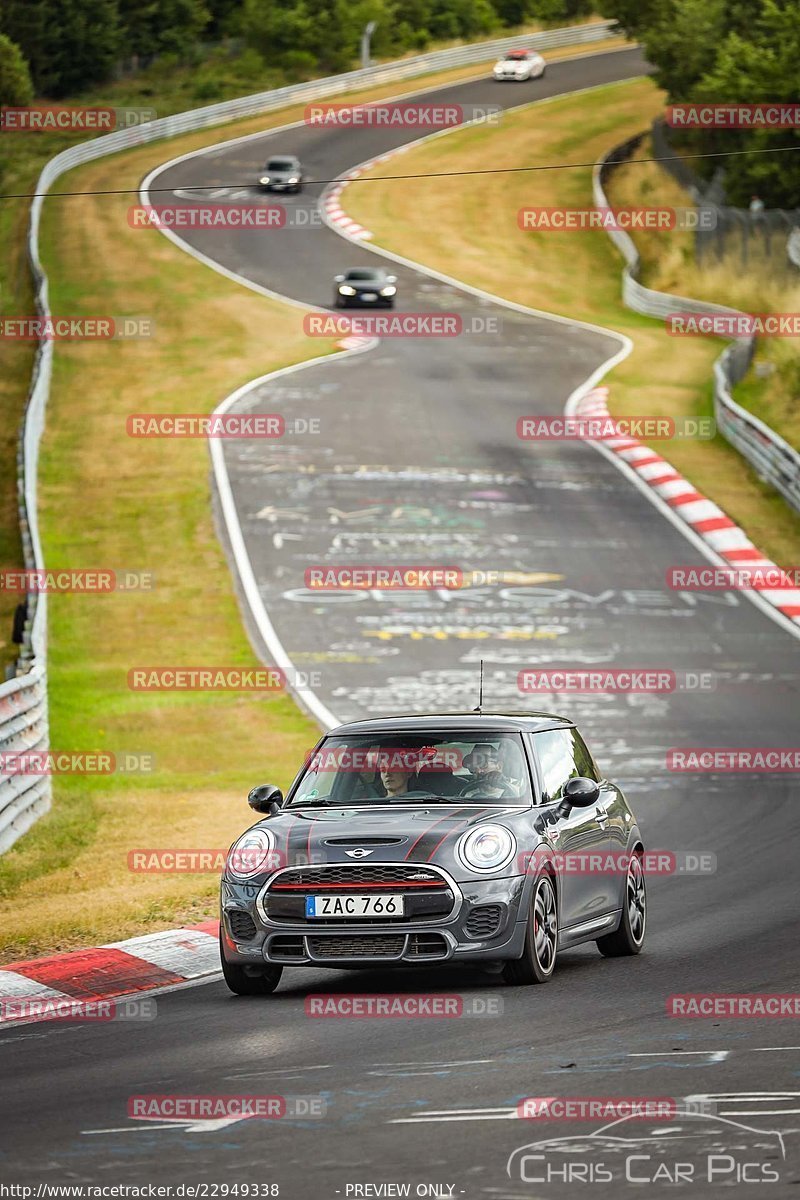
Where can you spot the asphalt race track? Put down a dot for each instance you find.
(417, 460)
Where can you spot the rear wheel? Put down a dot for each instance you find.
(629, 937)
(249, 980)
(541, 938)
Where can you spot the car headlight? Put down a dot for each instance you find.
(346, 290)
(293, 179)
(264, 179)
(486, 848)
(252, 854)
(388, 291)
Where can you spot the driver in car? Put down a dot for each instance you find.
(487, 776)
(394, 778)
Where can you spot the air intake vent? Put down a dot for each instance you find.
(241, 925)
(366, 946)
(484, 921)
(426, 945)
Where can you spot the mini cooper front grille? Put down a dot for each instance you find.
(426, 945)
(366, 946)
(241, 925)
(359, 875)
(483, 922)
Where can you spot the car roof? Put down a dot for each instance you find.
(366, 270)
(478, 723)
(287, 158)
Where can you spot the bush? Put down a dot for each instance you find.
(15, 78)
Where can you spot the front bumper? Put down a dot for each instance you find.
(487, 923)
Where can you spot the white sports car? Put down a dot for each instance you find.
(520, 65)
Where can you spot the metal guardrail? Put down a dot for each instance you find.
(23, 700)
(793, 247)
(774, 459)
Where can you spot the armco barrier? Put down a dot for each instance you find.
(773, 458)
(23, 700)
(793, 247)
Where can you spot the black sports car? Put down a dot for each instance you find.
(365, 287)
(282, 173)
(485, 838)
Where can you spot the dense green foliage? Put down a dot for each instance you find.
(728, 50)
(15, 78)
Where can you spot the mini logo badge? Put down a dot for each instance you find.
(359, 852)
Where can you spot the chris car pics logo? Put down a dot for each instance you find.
(692, 1147)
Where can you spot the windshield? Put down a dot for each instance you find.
(515, 58)
(281, 164)
(457, 768)
(371, 276)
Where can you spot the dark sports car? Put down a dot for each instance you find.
(365, 287)
(484, 838)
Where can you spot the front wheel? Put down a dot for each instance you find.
(249, 980)
(629, 937)
(541, 938)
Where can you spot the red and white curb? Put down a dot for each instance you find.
(331, 202)
(43, 988)
(703, 516)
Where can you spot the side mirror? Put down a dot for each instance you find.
(266, 798)
(391, 279)
(338, 278)
(581, 793)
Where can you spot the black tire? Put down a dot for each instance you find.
(541, 938)
(247, 980)
(629, 937)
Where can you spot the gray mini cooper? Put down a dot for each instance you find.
(490, 839)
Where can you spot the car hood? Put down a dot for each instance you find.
(402, 833)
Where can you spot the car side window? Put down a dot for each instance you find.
(586, 766)
(554, 752)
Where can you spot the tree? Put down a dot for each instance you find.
(162, 26)
(15, 79)
(69, 44)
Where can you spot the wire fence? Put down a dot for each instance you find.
(773, 458)
(750, 234)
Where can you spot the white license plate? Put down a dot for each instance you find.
(369, 295)
(355, 906)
